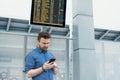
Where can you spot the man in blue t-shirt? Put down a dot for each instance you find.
(37, 64)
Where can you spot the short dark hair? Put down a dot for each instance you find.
(45, 35)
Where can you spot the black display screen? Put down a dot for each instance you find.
(48, 12)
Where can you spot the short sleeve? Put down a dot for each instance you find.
(29, 63)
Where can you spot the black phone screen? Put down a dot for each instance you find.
(51, 60)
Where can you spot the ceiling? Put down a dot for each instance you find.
(105, 34)
(22, 27)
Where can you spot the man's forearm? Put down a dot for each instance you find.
(34, 72)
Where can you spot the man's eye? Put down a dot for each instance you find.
(43, 43)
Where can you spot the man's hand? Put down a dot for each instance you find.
(48, 65)
(55, 70)
(54, 65)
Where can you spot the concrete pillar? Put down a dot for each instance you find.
(84, 59)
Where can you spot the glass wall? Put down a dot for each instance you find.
(13, 49)
(11, 57)
(108, 60)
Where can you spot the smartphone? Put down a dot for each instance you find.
(51, 60)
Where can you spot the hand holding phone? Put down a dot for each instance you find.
(52, 60)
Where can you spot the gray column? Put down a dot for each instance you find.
(84, 60)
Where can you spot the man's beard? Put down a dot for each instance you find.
(44, 48)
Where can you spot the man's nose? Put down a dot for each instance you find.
(46, 45)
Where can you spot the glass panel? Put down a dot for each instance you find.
(11, 57)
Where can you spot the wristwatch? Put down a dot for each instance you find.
(43, 68)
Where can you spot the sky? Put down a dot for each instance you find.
(21, 9)
(15, 8)
(105, 12)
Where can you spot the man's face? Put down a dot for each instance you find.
(44, 43)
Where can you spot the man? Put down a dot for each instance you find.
(37, 64)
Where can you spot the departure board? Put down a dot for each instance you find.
(48, 12)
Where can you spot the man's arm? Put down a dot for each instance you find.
(34, 72)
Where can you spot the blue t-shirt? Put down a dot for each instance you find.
(35, 59)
